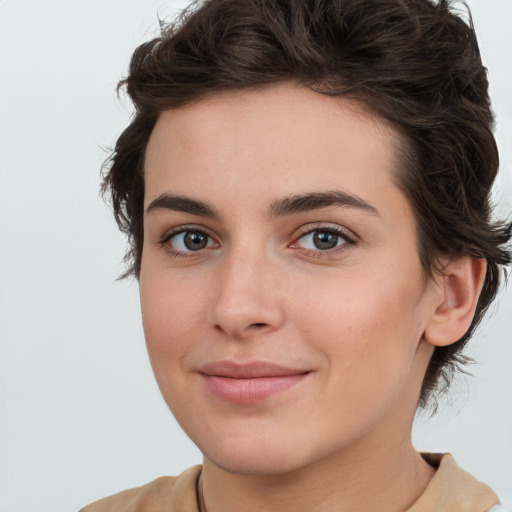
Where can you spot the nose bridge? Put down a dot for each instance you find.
(247, 295)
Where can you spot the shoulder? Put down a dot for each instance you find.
(136, 499)
(166, 493)
(452, 488)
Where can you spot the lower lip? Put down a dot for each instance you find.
(250, 391)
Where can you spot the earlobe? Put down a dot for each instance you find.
(459, 289)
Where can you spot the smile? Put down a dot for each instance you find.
(249, 383)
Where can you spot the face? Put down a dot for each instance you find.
(282, 294)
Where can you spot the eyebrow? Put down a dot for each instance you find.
(179, 203)
(279, 208)
(316, 200)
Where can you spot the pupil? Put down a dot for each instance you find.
(195, 241)
(325, 240)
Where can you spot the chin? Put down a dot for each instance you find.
(264, 453)
(256, 462)
(252, 452)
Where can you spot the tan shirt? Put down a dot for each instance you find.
(451, 490)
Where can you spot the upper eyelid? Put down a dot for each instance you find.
(169, 233)
(327, 226)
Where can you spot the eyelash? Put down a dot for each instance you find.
(349, 240)
(164, 242)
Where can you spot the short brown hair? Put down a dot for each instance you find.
(415, 63)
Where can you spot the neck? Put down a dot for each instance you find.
(388, 481)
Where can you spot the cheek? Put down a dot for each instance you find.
(368, 330)
(169, 315)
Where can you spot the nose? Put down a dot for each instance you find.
(247, 299)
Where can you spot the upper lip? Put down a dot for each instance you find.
(254, 370)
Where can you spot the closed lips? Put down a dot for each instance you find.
(248, 371)
(249, 383)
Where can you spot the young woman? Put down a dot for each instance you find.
(305, 187)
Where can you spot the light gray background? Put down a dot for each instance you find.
(80, 414)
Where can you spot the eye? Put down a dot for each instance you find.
(323, 239)
(187, 241)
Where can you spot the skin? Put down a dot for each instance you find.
(360, 318)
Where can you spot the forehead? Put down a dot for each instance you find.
(284, 137)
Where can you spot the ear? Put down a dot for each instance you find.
(454, 306)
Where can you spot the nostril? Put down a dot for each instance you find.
(259, 324)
